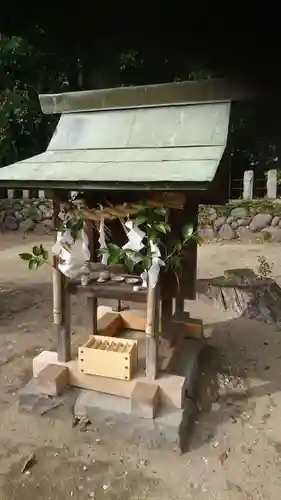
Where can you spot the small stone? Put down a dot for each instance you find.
(18, 216)
(274, 233)
(229, 219)
(38, 216)
(244, 222)
(92, 494)
(244, 234)
(212, 214)
(234, 225)
(239, 212)
(11, 223)
(219, 222)
(275, 221)
(207, 233)
(226, 232)
(105, 487)
(27, 225)
(260, 221)
(144, 462)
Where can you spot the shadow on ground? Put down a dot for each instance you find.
(240, 364)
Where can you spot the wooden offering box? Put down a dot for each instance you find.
(108, 357)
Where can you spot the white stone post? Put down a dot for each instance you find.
(271, 184)
(248, 184)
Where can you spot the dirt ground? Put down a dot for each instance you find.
(236, 446)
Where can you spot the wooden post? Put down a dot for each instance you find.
(151, 332)
(179, 310)
(92, 302)
(63, 330)
(61, 301)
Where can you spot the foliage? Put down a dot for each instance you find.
(265, 268)
(153, 221)
(36, 258)
(25, 72)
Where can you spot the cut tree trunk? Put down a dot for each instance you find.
(244, 294)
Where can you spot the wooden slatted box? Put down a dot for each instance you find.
(108, 357)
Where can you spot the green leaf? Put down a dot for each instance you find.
(163, 227)
(130, 265)
(45, 254)
(36, 251)
(114, 249)
(113, 259)
(33, 264)
(187, 231)
(140, 219)
(25, 256)
(160, 211)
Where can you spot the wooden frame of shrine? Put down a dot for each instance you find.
(122, 146)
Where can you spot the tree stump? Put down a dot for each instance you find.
(244, 294)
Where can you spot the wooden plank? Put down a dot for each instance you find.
(171, 386)
(110, 324)
(109, 290)
(92, 306)
(134, 319)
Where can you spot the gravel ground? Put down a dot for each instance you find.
(236, 446)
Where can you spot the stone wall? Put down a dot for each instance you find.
(26, 216)
(247, 221)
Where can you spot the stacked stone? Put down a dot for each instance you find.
(26, 216)
(242, 225)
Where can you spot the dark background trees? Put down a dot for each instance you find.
(123, 43)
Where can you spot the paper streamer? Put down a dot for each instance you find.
(157, 263)
(102, 242)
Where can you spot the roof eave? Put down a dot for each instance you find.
(106, 186)
(164, 94)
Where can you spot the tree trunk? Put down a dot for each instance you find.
(242, 293)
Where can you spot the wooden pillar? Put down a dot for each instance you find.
(61, 300)
(179, 310)
(92, 302)
(166, 317)
(151, 332)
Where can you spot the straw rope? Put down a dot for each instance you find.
(121, 211)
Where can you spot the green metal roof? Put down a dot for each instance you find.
(169, 146)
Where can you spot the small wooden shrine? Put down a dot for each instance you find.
(125, 149)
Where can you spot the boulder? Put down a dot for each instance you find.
(229, 219)
(274, 233)
(244, 221)
(239, 212)
(26, 225)
(226, 232)
(260, 221)
(275, 221)
(11, 223)
(219, 222)
(207, 233)
(244, 234)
